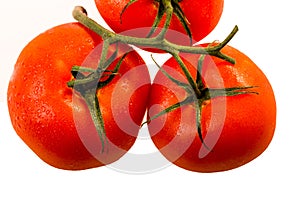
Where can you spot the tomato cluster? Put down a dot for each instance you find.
(78, 102)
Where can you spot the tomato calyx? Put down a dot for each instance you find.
(168, 7)
(198, 96)
(87, 81)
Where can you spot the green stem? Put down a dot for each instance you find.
(155, 42)
(101, 65)
(199, 81)
(183, 20)
(169, 13)
(187, 74)
(186, 86)
(209, 50)
(157, 20)
(92, 102)
(171, 108)
(198, 108)
(80, 14)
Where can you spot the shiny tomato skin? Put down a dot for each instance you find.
(51, 118)
(236, 129)
(202, 16)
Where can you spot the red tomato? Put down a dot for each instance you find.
(53, 120)
(235, 129)
(137, 19)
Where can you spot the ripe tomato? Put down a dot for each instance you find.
(53, 120)
(138, 18)
(235, 129)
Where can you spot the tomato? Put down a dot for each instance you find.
(235, 129)
(137, 20)
(54, 120)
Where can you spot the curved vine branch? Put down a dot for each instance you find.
(83, 83)
(158, 42)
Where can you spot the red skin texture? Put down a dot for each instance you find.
(55, 122)
(203, 16)
(237, 129)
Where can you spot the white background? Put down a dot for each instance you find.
(269, 34)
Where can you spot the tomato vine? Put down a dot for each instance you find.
(209, 106)
(196, 89)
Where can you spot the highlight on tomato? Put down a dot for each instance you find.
(55, 120)
(226, 121)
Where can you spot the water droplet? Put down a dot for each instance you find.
(89, 40)
(43, 109)
(36, 90)
(125, 86)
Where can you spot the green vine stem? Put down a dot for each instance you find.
(168, 7)
(169, 12)
(159, 42)
(85, 85)
(94, 108)
(79, 13)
